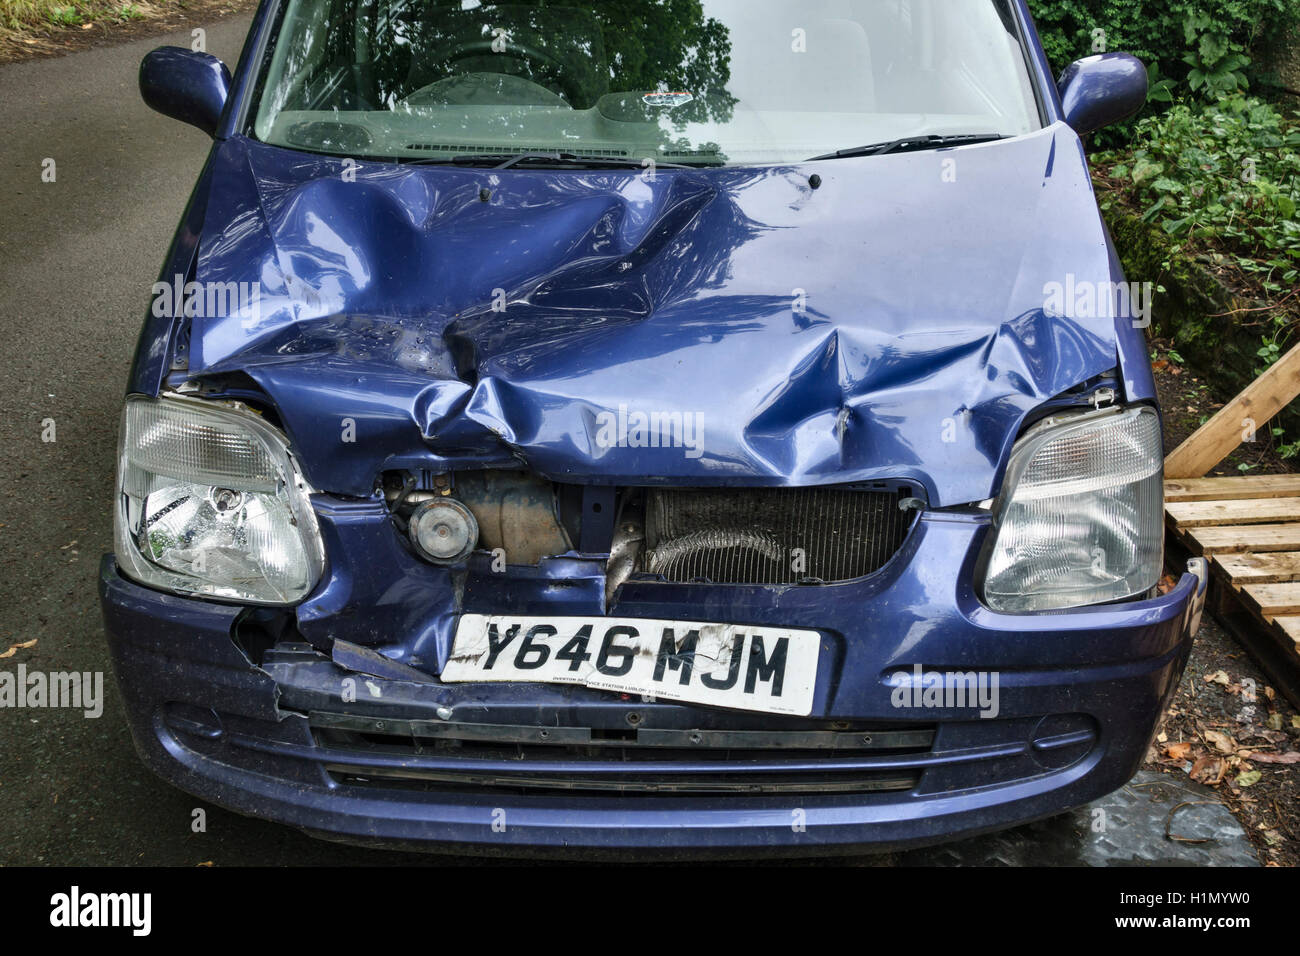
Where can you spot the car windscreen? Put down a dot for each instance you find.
(708, 82)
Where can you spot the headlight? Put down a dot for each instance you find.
(210, 502)
(1080, 518)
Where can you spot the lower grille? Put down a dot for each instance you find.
(772, 535)
(449, 756)
(521, 782)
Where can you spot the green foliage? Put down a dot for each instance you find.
(64, 16)
(1222, 180)
(1226, 174)
(24, 16)
(17, 13)
(1217, 63)
(1206, 47)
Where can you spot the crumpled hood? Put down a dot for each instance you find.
(889, 324)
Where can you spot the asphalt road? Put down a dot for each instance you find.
(77, 258)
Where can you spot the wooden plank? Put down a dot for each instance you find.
(1268, 568)
(1203, 514)
(1289, 626)
(1234, 539)
(1272, 600)
(1232, 489)
(1257, 403)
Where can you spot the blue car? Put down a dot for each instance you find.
(701, 427)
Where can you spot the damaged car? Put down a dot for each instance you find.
(695, 426)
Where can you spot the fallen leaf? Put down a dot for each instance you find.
(1221, 741)
(1179, 751)
(15, 648)
(1162, 737)
(1274, 722)
(1248, 778)
(1208, 770)
(1291, 756)
(1219, 677)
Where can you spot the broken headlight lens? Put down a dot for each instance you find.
(1080, 519)
(210, 502)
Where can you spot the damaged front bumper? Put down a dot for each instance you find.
(349, 747)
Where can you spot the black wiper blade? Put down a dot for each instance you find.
(578, 159)
(464, 159)
(907, 144)
(560, 159)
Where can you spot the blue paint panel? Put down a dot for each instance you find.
(820, 336)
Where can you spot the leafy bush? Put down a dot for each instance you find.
(1223, 181)
(1227, 172)
(64, 16)
(1208, 46)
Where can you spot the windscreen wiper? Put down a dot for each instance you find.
(907, 144)
(556, 159)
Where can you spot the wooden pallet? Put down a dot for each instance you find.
(1249, 529)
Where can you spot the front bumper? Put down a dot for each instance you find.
(1080, 694)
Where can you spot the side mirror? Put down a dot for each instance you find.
(185, 85)
(1099, 90)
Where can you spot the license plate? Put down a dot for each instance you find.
(768, 669)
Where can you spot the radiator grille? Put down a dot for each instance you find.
(772, 535)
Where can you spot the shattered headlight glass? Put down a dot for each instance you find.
(1080, 518)
(210, 502)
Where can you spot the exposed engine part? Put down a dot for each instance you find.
(515, 511)
(443, 530)
(773, 535)
(672, 553)
(625, 550)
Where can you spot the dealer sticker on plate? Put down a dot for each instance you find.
(724, 665)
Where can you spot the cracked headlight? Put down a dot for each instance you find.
(210, 502)
(1080, 517)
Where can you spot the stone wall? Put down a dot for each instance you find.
(1286, 60)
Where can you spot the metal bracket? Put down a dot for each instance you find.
(1103, 396)
(1201, 568)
